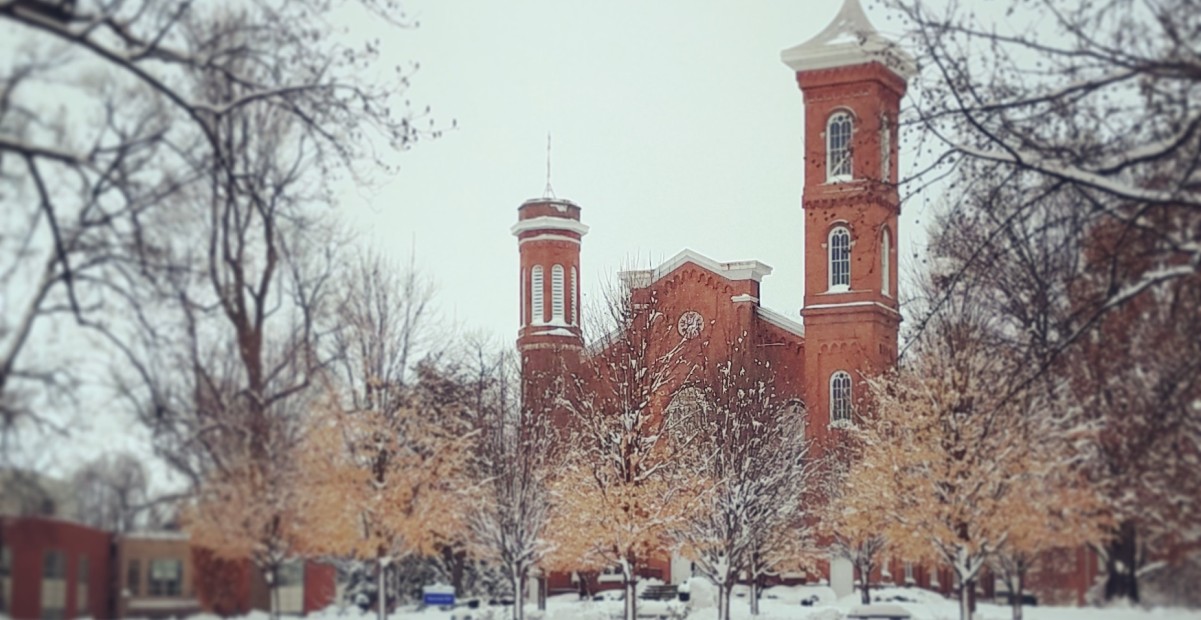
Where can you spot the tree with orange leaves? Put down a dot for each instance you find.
(853, 524)
(256, 511)
(964, 471)
(387, 484)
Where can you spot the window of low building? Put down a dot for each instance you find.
(54, 584)
(133, 577)
(81, 586)
(291, 587)
(6, 578)
(165, 575)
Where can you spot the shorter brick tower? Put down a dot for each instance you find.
(549, 233)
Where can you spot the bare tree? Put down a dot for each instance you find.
(749, 443)
(620, 493)
(111, 492)
(385, 326)
(1088, 103)
(513, 463)
(1073, 151)
(238, 115)
(1052, 271)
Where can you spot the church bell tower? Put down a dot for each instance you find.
(549, 233)
(852, 80)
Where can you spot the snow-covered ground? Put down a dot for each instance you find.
(776, 604)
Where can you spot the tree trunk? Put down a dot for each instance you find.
(542, 582)
(966, 588)
(631, 598)
(455, 562)
(755, 588)
(381, 595)
(1016, 597)
(723, 600)
(273, 593)
(1121, 564)
(518, 594)
(865, 575)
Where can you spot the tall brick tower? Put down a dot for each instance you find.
(549, 233)
(852, 80)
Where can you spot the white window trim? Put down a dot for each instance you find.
(610, 575)
(558, 297)
(575, 299)
(885, 149)
(537, 293)
(831, 286)
(831, 176)
(841, 422)
(886, 263)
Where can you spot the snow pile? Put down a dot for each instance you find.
(702, 593)
(795, 595)
(569, 607)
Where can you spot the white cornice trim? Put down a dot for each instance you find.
(547, 222)
(737, 270)
(851, 304)
(559, 203)
(549, 237)
(554, 331)
(849, 40)
(744, 297)
(782, 322)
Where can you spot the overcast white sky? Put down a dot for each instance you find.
(674, 123)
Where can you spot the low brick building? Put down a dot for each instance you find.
(51, 568)
(154, 572)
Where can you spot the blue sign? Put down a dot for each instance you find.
(438, 599)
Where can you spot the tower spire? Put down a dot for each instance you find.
(549, 192)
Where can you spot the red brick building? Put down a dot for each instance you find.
(52, 568)
(852, 81)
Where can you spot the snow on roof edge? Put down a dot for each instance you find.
(781, 321)
(734, 270)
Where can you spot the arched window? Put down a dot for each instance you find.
(556, 294)
(840, 398)
(684, 417)
(575, 300)
(885, 149)
(838, 147)
(521, 301)
(885, 255)
(839, 244)
(796, 409)
(536, 296)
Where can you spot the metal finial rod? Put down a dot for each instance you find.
(549, 192)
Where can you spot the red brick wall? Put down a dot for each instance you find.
(30, 537)
(222, 586)
(856, 330)
(320, 587)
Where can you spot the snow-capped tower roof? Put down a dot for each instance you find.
(849, 40)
